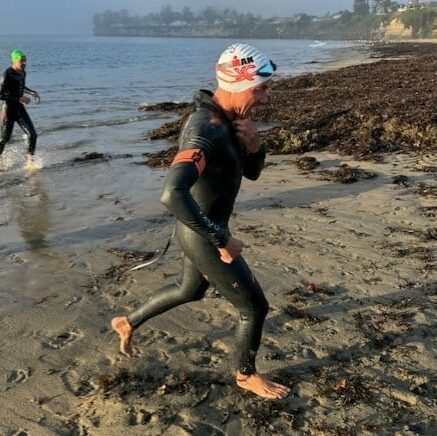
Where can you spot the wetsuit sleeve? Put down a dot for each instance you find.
(253, 163)
(176, 196)
(26, 89)
(4, 91)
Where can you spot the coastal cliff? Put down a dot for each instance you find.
(413, 23)
(397, 29)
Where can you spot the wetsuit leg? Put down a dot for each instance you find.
(26, 124)
(237, 284)
(193, 287)
(8, 121)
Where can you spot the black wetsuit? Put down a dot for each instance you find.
(200, 190)
(12, 87)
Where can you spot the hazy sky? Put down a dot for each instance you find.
(74, 17)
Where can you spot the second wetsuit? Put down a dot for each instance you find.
(200, 190)
(12, 87)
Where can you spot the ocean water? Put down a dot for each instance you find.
(91, 88)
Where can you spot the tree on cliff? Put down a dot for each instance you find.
(361, 7)
(384, 6)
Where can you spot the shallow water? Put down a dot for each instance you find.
(91, 87)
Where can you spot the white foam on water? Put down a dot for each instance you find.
(15, 158)
(318, 44)
(4, 164)
(11, 158)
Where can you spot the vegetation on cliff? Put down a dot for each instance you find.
(368, 20)
(422, 21)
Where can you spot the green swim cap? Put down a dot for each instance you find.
(16, 55)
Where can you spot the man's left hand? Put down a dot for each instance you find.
(36, 96)
(247, 134)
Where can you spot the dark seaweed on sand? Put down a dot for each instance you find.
(364, 111)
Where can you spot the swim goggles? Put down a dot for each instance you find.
(266, 70)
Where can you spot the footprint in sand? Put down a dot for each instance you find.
(139, 417)
(106, 361)
(75, 384)
(18, 376)
(161, 356)
(74, 300)
(118, 293)
(221, 347)
(150, 336)
(201, 316)
(234, 427)
(274, 351)
(13, 258)
(270, 342)
(61, 340)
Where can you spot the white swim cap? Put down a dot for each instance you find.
(242, 67)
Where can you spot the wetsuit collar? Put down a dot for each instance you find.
(204, 99)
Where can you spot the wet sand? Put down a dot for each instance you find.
(341, 235)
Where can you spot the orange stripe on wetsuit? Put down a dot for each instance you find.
(195, 155)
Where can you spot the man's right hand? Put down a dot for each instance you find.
(24, 100)
(232, 250)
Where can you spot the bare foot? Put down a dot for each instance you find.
(31, 165)
(262, 386)
(121, 325)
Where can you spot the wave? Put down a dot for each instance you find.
(318, 44)
(94, 124)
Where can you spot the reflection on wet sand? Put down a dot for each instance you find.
(31, 212)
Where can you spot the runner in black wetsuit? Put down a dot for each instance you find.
(217, 147)
(12, 90)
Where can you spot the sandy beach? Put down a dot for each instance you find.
(340, 231)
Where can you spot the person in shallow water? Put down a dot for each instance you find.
(218, 145)
(12, 91)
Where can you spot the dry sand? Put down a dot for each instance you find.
(350, 274)
(349, 270)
